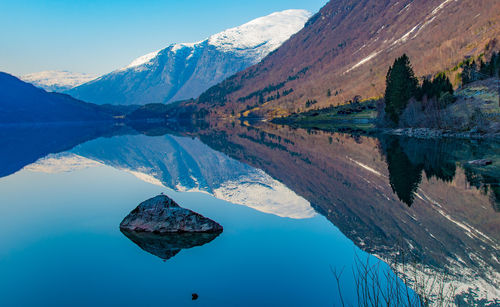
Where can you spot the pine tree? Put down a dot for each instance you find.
(401, 85)
(469, 72)
(425, 89)
(494, 65)
(484, 67)
(440, 85)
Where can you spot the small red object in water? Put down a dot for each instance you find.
(194, 296)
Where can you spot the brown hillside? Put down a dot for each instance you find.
(348, 46)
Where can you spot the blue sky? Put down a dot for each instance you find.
(99, 36)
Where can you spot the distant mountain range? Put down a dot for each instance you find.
(21, 102)
(57, 81)
(184, 71)
(346, 49)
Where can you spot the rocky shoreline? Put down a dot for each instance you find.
(427, 133)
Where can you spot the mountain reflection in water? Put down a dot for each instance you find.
(186, 164)
(386, 194)
(374, 191)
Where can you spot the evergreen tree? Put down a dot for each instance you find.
(261, 99)
(493, 67)
(401, 85)
(469, 72)
(484, 68)
(440, 85)
(425, 89)
(434, 89)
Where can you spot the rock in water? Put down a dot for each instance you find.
(162, 215)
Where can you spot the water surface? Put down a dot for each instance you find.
(294, 204)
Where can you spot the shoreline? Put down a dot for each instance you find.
(428, 133)
(419, 133)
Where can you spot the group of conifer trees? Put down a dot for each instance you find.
(474, 72)
(402, 85)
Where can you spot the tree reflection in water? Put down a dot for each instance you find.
(408, 159)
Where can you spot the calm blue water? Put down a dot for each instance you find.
(61, 246)
(281, 196)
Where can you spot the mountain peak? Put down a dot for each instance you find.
(254, 39)
(184, 70)
(262, 35)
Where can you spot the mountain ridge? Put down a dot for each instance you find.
(57, 81)
(21, 102)
(183, 71)
(347, 48)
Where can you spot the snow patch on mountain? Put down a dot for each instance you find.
(55, 81)
(254, 39)
(261, 36)
(143, 59)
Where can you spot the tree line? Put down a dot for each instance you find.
(473, 71)
(402, 85)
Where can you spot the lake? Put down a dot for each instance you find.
(296, 207)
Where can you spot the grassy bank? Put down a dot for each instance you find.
(357, 116)
(474, 113)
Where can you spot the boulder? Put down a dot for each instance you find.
(162, 215)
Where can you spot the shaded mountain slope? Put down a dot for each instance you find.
(21, 102)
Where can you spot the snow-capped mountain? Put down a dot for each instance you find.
(57, 81)
(184, 71)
